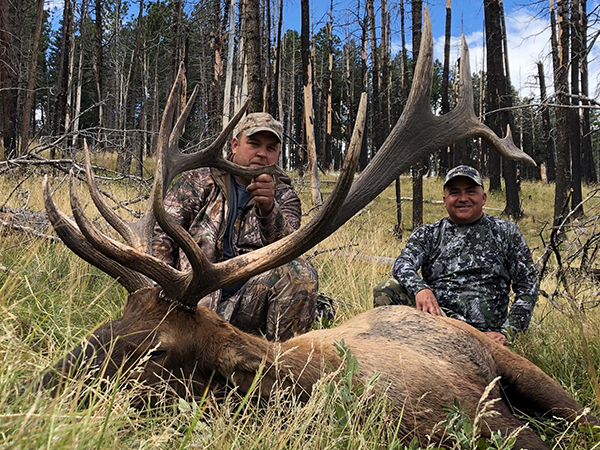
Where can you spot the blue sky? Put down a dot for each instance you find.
(527, 25)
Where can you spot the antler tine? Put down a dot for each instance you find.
(472, 125)
(172, 154)
(210, 156)
(123, 227)
(68, 232)
(132, 258)
(291, 246)
(418, 133)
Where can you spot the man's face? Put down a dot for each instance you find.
(260, 149)
(464, 200)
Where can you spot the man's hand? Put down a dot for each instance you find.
(425, 301)
(498, 337)
(262, 189)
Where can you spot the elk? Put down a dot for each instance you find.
(426, 362)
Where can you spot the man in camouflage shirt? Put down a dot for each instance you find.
(468, 262)
(229, 216)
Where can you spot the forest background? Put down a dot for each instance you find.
(101, 71)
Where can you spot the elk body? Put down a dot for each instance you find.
(425, 363)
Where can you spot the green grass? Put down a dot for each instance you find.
(50, 300)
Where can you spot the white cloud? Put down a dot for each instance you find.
(528, 43)
(528, 36)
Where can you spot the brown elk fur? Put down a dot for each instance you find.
(425, 363)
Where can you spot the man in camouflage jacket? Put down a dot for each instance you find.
(228, 216)
(468, 262)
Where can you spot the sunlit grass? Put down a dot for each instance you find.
(50, 300)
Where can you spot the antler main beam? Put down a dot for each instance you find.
(418, 132)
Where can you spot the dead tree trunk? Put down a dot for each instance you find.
(136, 142)
(495, 84)
(7, 91)
(277, 96)
(364, 152)
(419, 168)
(445, 153)
(241, 84)
(511, 182)
(177, 48)
(398, 228)
(254, 56)
(574, 119)
(267, 25)
(589, 172)
(377, 134)
(309, 114)
(29, 94)
(99, 68)
(349, 86)
(547, 129)
(385, 84)
(561, 86)
(494, 81)
(79, 89)
(327, 151)
(215, 89)
(60, 101)
(227, 96)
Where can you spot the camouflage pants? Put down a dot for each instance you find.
(279, 303)
(390, 292)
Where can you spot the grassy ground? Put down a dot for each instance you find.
(50, 300)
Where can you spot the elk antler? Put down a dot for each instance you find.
(72, 237)
(417, 133)
(134, 256)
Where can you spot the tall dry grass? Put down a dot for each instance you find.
(50, 300)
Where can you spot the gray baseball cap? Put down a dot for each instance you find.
(260, 121)
(464, 171)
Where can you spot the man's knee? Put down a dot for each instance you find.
(390, 292)
(292, 308)
(298, 283)
(302, 274)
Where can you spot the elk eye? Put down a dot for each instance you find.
(157, 354)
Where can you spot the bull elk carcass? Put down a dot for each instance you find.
(426, 363)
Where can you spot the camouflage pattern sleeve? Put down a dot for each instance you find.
(410, 261)
(283, 219)
(524, 284)
(182, 203)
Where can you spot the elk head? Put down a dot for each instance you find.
(162, 334)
